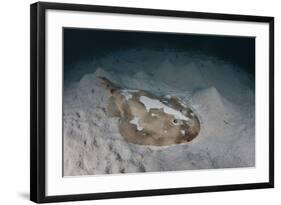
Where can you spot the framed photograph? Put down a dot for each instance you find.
(129, 102)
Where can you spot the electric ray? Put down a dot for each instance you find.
(147, 119)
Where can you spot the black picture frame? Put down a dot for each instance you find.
(38, 101)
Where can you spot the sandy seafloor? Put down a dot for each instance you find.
(221, 93)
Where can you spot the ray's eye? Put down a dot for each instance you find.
(177, 122)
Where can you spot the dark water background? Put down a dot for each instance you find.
(85, 45)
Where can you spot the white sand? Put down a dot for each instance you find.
(136, 121)
(219, 93)
(155, 103)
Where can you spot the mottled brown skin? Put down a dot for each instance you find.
(158, 127)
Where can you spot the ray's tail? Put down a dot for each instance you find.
(108, 85)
